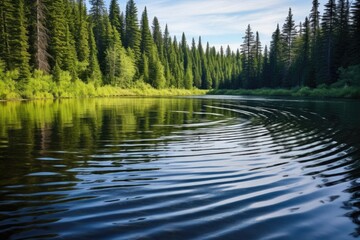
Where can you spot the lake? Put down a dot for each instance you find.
(211, 167)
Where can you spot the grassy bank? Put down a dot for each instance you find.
(42, 86)
(324, 92)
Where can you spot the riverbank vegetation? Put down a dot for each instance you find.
(59, 48)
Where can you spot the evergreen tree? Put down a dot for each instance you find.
(315, 19)
(6, 8)
(41, 38)
(258, 57)
(288, 36)
(328, 70)
(115, 16)
(276, 56)
(82, 35)
(60, 46)
(305, 56)
(99, 20)
(157, 35)
(265, 69)
(146, 44)
(342, 34)
(93, 72)
(19, 43)
(355, 33)
(14, 40)
(132, 32)
(249, 57)
(120, 69)
(315, 42)
(196, 64)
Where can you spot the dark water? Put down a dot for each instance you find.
(180, 168)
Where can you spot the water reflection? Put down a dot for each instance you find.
(179, 168)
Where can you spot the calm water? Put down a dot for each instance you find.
(180, 168)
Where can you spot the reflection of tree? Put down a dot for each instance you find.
(65, 129)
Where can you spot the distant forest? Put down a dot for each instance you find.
(101, 46)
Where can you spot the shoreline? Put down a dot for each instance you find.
(304, 92)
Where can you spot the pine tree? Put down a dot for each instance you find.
(132, 32)
(157, 36)
(276, 56)
(120, 69)
(60, 46)
(93, 72)
(196, 66)
(342, 35)
(265, 74)
(355, 33)
(146, 44)
(304, 55)
(14, 46)
(248, 57)
(315, 43)
(315, 19)
(41, 38)
(187, 63)
(258, 56)
(146, 48)
(288, 36)
(328, 71)
(82, 35)
(99, 20)
(115, 16)
(6, 7)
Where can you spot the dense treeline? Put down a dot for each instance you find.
(59, 44)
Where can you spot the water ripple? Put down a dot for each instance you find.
(230, 170)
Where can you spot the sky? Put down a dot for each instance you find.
(222, 22)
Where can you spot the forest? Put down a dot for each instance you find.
(59, 48)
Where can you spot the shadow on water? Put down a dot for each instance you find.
(180, 168)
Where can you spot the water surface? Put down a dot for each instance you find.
(180, 168)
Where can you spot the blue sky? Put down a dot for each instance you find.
(222, 22)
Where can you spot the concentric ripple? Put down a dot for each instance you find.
(193, 168)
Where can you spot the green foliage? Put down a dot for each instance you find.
(40, 85)
(349, 76)
(9, 85)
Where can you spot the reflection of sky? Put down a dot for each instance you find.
(222, 22)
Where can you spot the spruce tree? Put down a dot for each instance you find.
(315, 19)
(60, 46)
(5, 10)
(304, 55)
(93, 71)
(82, 35)
(315, 42)
(146, 48)
(120, 69)
(288, 36)
(13, 36)
(248, 57)
(132, 32)
(146, 44)
(99, 20)
(258, 57)
(327, 67)
(115, 16)
(276, 57)
(342, 35)
(355, 33)
(41, 39)
(196, 66)
(157, 36)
